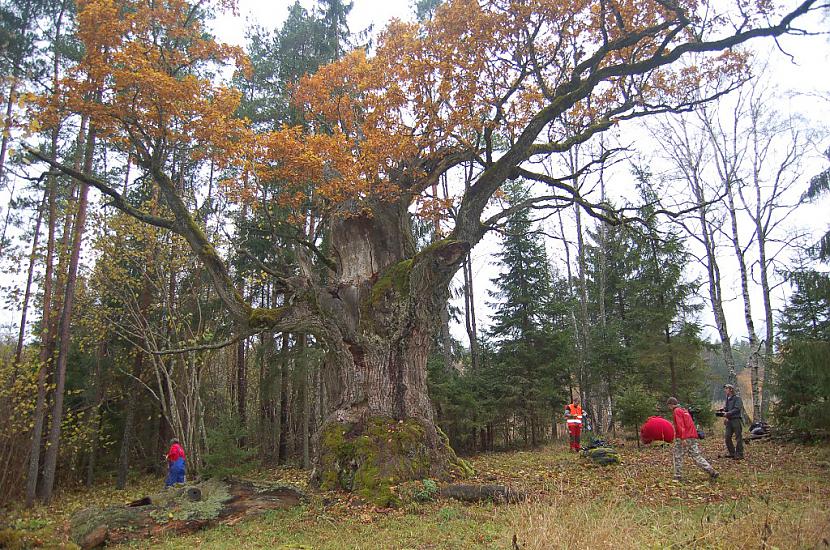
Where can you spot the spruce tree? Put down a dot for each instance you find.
(527, 374)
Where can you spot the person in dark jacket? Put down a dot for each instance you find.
(175, 463)
(732, 412)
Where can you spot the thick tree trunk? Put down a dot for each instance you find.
(382, 321)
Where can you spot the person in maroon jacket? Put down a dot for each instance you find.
(685, 441)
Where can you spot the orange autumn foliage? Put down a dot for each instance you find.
(147, 79)
(477, 67)
(472, 81)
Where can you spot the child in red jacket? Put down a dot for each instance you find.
(175, 464)
(686, 441)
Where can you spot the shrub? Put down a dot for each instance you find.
(634, 406)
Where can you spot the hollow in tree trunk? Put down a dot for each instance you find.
(379, 327)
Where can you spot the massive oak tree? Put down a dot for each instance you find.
(494, 87)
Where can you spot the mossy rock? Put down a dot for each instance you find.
(604, 456)
(372, 457)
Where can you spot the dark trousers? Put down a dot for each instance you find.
(732, 427)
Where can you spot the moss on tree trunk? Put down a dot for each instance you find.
(370, 458)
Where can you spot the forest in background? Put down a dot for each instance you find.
(123, 337)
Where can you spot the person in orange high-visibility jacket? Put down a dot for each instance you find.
(573, 415)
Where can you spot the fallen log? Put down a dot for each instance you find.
(179, 510)
(478, 493)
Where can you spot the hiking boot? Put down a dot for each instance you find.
(713, 475)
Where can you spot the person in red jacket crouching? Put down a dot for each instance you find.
(656, 428)
(686, 441)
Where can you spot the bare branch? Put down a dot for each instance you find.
(118, 200)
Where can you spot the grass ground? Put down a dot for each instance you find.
(779, 497)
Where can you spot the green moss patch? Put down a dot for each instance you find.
(371, 458)
(395, 278)
(265, 317)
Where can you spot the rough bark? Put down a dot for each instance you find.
(379, 312)
(383, 317)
